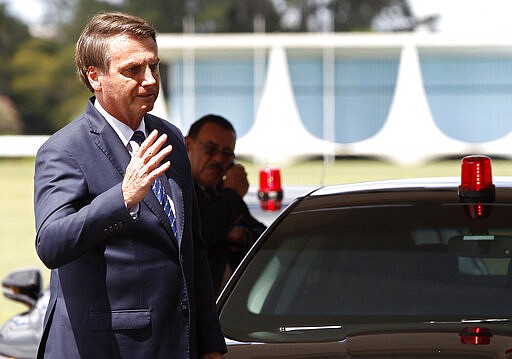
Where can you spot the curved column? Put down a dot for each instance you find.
(278, 135)
(409, 135)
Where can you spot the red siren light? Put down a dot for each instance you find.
(476, 179)
(476, 173)
(270, 192)
(475, 336)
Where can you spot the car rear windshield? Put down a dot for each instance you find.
(374, 264)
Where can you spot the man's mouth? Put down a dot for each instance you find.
(215, 168)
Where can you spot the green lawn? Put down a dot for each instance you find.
(16, 200)
(17, 224)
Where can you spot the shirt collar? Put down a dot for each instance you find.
(124, 131)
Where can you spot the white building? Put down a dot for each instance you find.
(404, 97)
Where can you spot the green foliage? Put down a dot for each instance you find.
(164, 15)
(235, 16)
(209, 16)
(12, 33)
(343, 15)
(45, 80)
(356, 15)
(80, 11)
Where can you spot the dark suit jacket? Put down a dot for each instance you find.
(220, 212)
(120, 287)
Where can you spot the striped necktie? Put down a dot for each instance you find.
(159, 190)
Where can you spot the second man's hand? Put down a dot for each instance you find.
(145, 166)
(235, 178)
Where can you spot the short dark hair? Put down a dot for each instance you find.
(92, 46)
(194, 130)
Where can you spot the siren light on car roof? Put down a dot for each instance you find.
(476, 179)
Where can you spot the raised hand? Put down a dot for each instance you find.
(144, 167)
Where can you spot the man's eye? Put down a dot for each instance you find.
(211, 149)
(133, 70)
(154, 67)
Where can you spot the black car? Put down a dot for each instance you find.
(392, 269)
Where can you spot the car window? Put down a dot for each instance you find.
(353, 265)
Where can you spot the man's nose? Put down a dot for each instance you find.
(150, 78)
(221, 158)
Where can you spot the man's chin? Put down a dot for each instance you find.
(146, 103)
(147, 107)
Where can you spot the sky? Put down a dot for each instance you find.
(456, 16)
(467, 16)
(30, 10)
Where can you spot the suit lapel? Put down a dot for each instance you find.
(107, 140)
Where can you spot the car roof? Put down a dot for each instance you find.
(406, 191)
(402, 184)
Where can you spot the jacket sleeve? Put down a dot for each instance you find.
(70, 220)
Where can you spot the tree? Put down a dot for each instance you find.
(236, 16)
(12, 34)
(340, 15)
(68, 17)
(46, 85)
(164, 15)
(278, 15)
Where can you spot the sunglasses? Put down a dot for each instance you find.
(211, 149)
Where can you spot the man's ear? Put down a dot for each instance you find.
(187, 141)
(95, 77)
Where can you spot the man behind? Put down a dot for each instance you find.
(116, 218)
(228, 227)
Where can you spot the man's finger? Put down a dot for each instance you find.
(135, 146)
(156, 146)
(160, 170)
(142, 148)
(154, 160)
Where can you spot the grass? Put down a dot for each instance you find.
(17, 225)
(17, 231)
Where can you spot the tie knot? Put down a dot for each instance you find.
(138, 136)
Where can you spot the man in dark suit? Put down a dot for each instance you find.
(228, 227)
(130, 275)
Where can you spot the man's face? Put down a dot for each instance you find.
(130, 86)
(211, 153)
